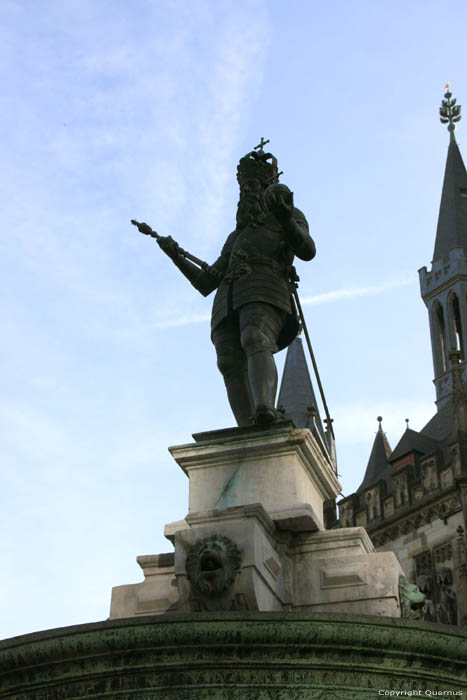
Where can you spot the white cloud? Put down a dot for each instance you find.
(324, 298)
(352, 292)
(238, 59)
(148, 129)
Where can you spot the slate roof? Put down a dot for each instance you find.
(412, 440)
(452, 220)
(442, 426)
(296, 392)
(378, 462)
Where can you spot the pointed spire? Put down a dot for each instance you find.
(378, 461)
(296, 396)
(452, 221)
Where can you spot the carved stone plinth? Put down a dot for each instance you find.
(283, 468)
(254, 536)
(326, 571)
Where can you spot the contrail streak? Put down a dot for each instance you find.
(325, 298)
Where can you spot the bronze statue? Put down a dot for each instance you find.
(253, 314)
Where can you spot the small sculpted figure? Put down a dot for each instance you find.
(253, 314)
(411, 599)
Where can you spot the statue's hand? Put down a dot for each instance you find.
(169, 246)
(279, 200)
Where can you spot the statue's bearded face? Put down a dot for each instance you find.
(251, 206)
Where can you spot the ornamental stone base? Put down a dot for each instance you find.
(330, 571)
(237, 656)
(233, 552)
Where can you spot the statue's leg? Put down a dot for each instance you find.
(262, 373)
(260, 326)
(232, 363)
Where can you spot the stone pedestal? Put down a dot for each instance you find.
(282, 468)
(254, 536)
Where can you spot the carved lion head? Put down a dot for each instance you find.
(212, 564)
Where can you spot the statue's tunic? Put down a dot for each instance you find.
(254, 266)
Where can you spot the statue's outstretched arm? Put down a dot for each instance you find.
(207, 277)
(203, 277)
(204, 280)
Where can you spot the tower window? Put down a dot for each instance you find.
(441, 337)
(456, 316)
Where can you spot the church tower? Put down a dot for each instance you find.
(444, 287)
(413, 499)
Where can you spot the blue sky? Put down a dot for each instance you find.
(114, 110)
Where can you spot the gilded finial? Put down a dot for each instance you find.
(450, 111)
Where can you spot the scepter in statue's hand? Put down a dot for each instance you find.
(168, 245)
(144, 228)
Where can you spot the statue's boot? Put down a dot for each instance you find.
(262, 375)
(265, 415)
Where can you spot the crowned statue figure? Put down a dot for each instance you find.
(253, 314)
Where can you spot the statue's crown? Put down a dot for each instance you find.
(258, 165)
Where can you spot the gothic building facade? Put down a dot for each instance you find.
(413, 498)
